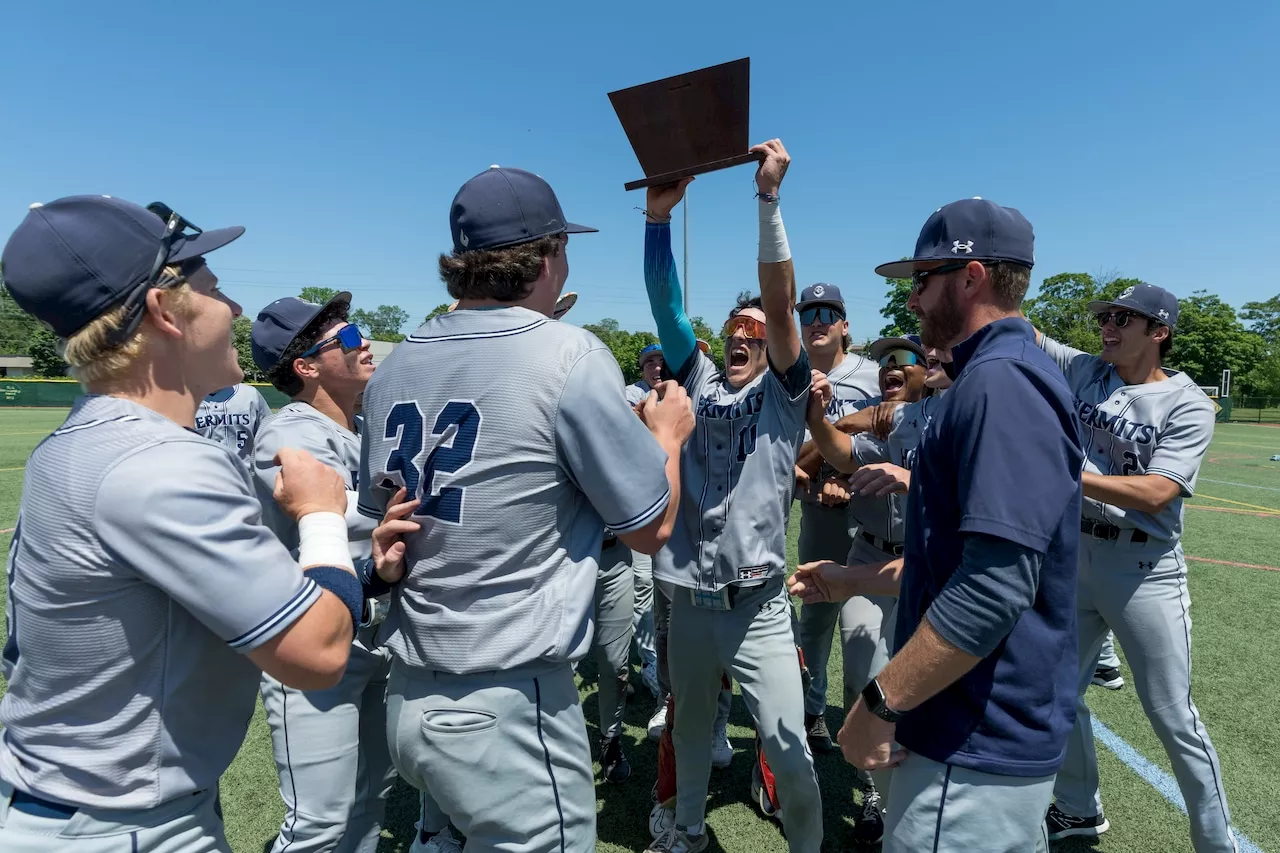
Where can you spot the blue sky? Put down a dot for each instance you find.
(1137, 137)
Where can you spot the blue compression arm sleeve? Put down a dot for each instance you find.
(665, 300)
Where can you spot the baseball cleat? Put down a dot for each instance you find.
(1062, 825)
(761, 795)
(869, 827)
(676, 840)
(443, 841)
(613, 763)
(661, 818)
(658, 721)
(721, 749)
(1108, 677)
(817, 733)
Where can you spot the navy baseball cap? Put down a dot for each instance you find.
(1154, 303)
(279, 325)
(72, 260)
(651, 349)
(504, 207)
(972, 229)
(908, 342)
(820, 294)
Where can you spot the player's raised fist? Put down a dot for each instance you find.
(668, 412)
(304, 485)
(661, 200)
(773, 167)
(819, 397)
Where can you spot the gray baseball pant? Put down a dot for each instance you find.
(947, 809)
(663, 593)
(330, 748)
(1140, 592)
(615, 610)
(191, 824)
(504, 754)
(1108, 657)
(642, 625)
(754, 643)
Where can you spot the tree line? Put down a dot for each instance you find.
(1211, 334)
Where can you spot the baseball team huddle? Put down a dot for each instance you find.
(408, 563)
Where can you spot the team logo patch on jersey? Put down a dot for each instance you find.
(753, 573)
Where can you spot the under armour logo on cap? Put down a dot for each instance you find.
(966, 247)
(1162, 314)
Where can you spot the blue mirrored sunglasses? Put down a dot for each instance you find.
(900, 358)
(348, 337)
(823, 314)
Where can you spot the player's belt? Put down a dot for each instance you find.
(609, 541)
(40, 807)
(882, 544)
(1109, 532)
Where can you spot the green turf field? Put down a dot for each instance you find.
(1233, 527)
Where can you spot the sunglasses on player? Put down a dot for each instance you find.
(175, 226)
(348, 337)
(1121, 318)
(900, 358)
(822, 314)
(920, 278)
(750, 326)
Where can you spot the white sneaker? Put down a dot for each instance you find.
(661, 819)
(721, 749)
(658, 721)
(443, 841)
(649, 675)
(676, 840)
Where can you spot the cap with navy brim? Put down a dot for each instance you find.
(971, 229)
(273, 333)
(882, 346)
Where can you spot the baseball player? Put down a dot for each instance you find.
(330, 745)
(874, 529)
(651, 368)
(518, 477)
(231, 416)
(1145, 430)
(145, 595)
(727, 556)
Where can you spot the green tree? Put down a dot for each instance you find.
(1059, 310)
(714, 340)
(442, 308)
(318, 295)
(1264, 319)
(1211, 337)
(1263, 378)
(16, 325)
(384, 324)
(240, 331)
(46, 362)
(902, 320)
(624, 345)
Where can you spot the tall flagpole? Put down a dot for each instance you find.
(686, 252)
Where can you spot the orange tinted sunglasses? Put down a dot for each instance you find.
(750, 326)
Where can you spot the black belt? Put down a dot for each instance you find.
(609, 542)
(882, 544)
(1109, 532)
(40, 807)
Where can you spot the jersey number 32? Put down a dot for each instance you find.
(407, 423)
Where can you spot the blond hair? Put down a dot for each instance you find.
(91, 357)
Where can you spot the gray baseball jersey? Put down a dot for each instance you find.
(637, 392)
(909, 422)
(519, 475)
(301, 426)
(855, 382)
(232, 417)
(883, 517)
(737, 476)
(1154, 428)
(139, 575)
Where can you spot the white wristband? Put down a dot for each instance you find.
(322, 541)
(773, 236)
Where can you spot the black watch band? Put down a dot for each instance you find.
(873, 698)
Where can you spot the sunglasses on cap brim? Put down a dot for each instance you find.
(824, 314)
(900, 358)
(175, 226)
(348, 337)
(750, 326)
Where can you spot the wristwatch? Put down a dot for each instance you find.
(873, 698)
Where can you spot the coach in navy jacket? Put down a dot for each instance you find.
(976, 704)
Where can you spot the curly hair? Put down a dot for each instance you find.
(506, 274)
(283, 376)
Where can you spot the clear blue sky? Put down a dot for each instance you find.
(1138, 137)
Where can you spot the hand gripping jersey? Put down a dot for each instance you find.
(519, 472)
(139, 575)
(1154, 428)
(737, 475)
(232, 416)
